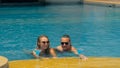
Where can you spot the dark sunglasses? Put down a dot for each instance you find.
(66, 43)
(45, 42)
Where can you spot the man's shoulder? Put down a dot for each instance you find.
(73, 48)
(59, 48)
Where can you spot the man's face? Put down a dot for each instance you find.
(65, 42)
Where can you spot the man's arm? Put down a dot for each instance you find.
(74, 50)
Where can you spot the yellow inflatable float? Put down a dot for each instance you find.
(67, 63)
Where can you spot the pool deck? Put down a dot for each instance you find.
(95, 62)
(109, 3)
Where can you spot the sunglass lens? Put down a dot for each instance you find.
(66, 43)
(45, 42)
(62, 43)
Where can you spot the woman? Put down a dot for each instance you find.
(43, 48)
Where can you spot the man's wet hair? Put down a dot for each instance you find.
(66, 36)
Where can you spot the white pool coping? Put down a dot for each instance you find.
(109, 3)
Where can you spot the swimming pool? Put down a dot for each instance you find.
(92, 28)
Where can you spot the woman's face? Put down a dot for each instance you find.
(44, 43)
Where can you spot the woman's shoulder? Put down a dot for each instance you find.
(52, 49)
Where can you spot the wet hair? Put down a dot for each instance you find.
(66, 36)
(38, 41)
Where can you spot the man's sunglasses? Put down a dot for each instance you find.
(66, 43)
(45, 42)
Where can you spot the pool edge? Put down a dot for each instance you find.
(103, 3)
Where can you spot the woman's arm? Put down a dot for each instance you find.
(52, 52)
(36, 53)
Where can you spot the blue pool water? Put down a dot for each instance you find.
(96, 29)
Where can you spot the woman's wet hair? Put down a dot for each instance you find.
(38, 40)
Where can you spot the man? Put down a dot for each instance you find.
(66, 46)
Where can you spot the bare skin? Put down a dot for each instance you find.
(66, 46)
(43, 45)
